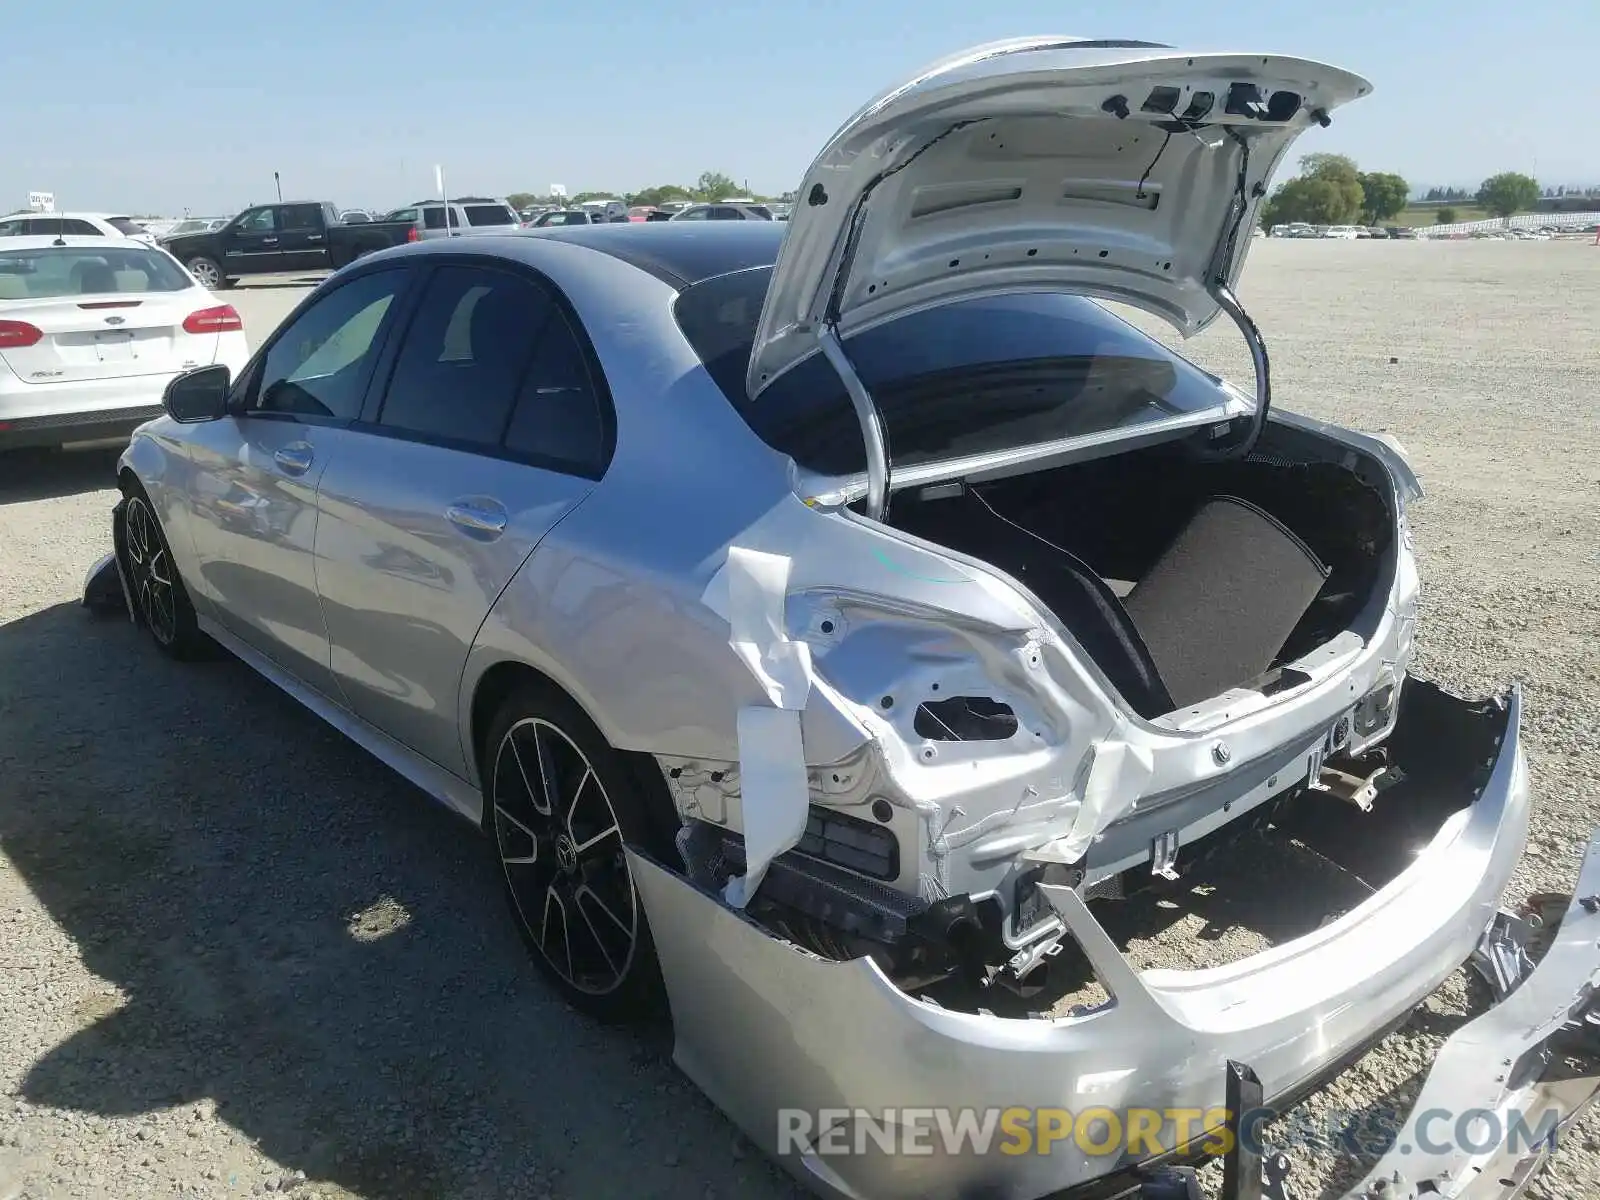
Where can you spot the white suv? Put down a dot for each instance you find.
(74, 225)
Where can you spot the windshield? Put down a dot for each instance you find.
(972, 377)
(71, 271)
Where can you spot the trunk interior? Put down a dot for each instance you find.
(1181, 577)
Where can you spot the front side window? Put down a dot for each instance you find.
(319, 366)
(971, 377)
(435, 218)
(693, 214)
(262, 220)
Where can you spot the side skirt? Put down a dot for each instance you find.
(447, 788)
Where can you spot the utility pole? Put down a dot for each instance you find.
(277, 183)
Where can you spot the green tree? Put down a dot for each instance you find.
(1508, 192)
(521, 200)
(1444, 216)
(1383, 195)
(660, 194)
(714, 185)
(1326, 192)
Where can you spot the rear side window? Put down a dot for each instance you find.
(559, 421)
(490, 362)
(403, 214)
(434, 218)
(464, 356)
(302, 216)
(71, 271)
(125, 226)
(489, 214)
(973, 377)
(80, 228)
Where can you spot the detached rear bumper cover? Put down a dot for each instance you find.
(762, 1026)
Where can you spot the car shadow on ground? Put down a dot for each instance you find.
(299, 935)
(45, 474)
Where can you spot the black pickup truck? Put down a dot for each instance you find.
(291, 236)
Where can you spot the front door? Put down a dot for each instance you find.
(255, 472)
(491, 429)
(250, 243)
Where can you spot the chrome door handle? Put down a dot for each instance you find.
(270, 241)
(294, 459)
(477, 519)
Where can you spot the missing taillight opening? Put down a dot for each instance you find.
(221, 319)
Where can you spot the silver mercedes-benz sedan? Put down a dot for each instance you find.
(830, 629)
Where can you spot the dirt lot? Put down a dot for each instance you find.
(238, 956)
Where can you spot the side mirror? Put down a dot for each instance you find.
(198, 395)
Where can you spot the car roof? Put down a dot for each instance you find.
(82, 241)
(51, 216)
(679, 253)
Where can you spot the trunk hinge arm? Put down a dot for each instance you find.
(1229, 303)
(872, 432)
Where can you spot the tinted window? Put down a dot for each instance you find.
(968, 378)
(320, 365)
(489, 214)
(302, 216)
(12, 228)
(433, 218)
(693, 214)
(81, 228)
(559, 422)
(70, 271)
(124, 226)
(726, 212)
(402, 214)
(464, 355)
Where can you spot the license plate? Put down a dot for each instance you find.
(114, 347)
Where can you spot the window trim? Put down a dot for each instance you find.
(368, 422)
(246, 388)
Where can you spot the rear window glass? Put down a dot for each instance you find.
(490, 214)
(434, 218)
(72, 271)
(973, 377)
(124, 225)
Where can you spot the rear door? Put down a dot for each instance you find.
(255, 472)
(251, 245)
(493, 426)
(302, 237)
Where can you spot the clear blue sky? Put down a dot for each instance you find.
(177, 104)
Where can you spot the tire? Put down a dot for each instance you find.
(160, 601)
(571, 868)
(208, 273)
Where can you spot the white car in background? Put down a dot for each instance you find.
(92, 329)
(1344, 233)
(75, 224)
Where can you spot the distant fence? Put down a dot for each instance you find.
(1534, 220)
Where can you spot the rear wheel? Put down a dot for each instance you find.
(159, 600)
(207, 273)
(561, 804)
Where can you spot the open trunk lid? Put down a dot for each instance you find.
(1121, 170)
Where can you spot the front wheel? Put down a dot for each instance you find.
(561, 805)
(160, 602)
(207, 273)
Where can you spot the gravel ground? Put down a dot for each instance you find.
(239, 957)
